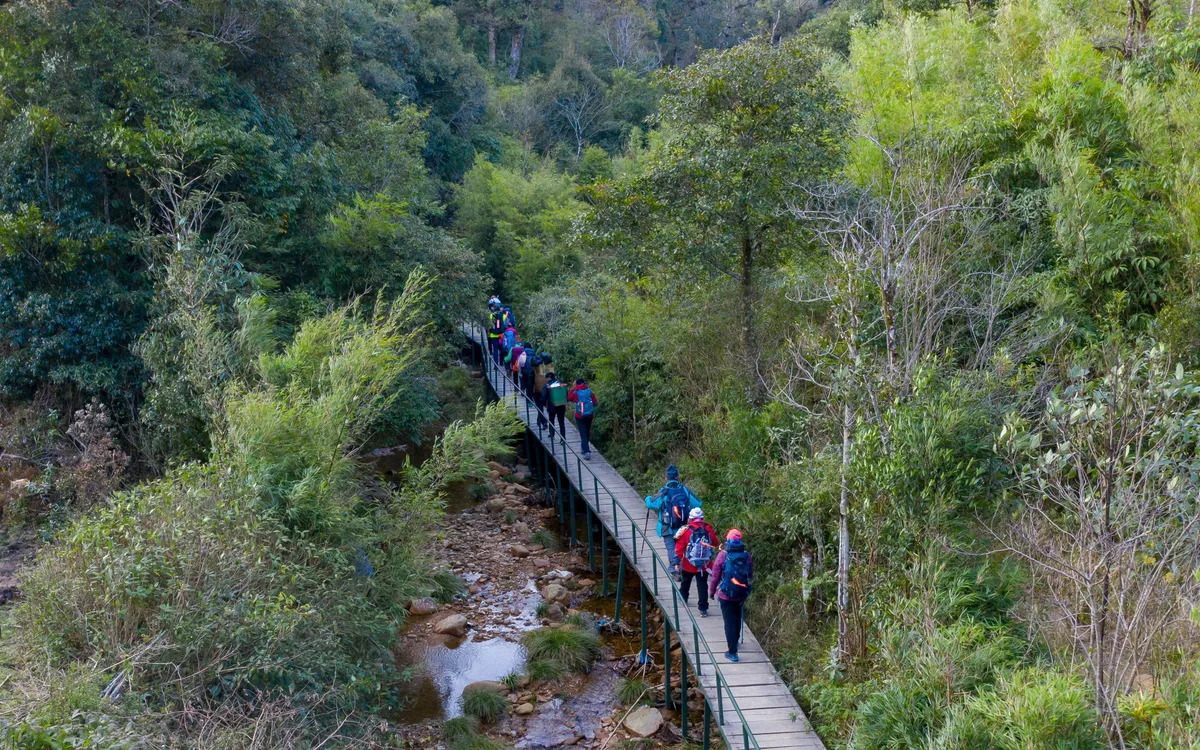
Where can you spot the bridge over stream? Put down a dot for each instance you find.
(747, 701)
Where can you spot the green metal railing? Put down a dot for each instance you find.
(504, 387)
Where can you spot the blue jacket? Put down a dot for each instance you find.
(655, 502)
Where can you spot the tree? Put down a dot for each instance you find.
(743, 129)
(1109, 518)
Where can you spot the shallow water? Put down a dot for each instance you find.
(436, 691)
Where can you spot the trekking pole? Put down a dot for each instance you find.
(742, 626)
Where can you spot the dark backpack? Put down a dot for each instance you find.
(531, 363)
(675, 508)
(497, 329)
(735, 576)
(699, 548)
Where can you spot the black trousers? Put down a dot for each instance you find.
(585, 433)
(731, 613)
(555, 412)
(685, 586)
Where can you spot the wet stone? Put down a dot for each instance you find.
(455, 625)
(424, 606)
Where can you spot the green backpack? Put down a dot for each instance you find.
(558, 394)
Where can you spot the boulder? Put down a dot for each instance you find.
(455, 625)
(554, 613)
(424, 606)
(521, 530)
(586, 582)
(489, 686)
(524, 709)
(494, 505)
(644, 722)
(521, 489)
(494, 475)
(500, 469)
(555, 593)
(542, 562)
(517, 550)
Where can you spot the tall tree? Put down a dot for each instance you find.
(744, 130)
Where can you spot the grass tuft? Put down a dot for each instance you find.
(459, 727)
(633, 691)
(484, 705)
(554, 652)
(447, 586)
(546, 539)
(510, 517)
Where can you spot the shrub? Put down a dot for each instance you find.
(484, 705)
(510, 517)
(554, 652)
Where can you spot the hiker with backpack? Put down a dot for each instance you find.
(495, 331)
(528, 366)
(731, 582)
(695, 546)
(513, 358)
(585, 408)
(508, 340)
(674, 503)
(554, 399)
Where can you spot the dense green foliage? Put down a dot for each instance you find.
(907, 290)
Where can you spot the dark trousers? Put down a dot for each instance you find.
(585, 432)
(527, 383)
(494, 348)
(731, 613)
(559, 413)
(685, 585)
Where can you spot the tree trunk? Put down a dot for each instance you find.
(514, 55)
(806, 560)
(748, 294)
(843, 575)
(491, 41)
(1192, 14)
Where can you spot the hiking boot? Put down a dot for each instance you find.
(731, 656)
(704, 613)
(587, 456)
(562, 441)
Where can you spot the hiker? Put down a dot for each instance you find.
(554, 398)
(509, 318)
(507, 340)
(694, 547)
(585, 408)
(529, 364)
(732, 574)
(495, 330)
(674, 503)
(513, 357)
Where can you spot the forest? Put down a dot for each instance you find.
(907, 289)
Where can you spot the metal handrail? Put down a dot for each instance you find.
(489, 367)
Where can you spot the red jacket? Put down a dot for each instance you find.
(685, 538)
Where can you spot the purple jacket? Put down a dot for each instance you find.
(718, 569)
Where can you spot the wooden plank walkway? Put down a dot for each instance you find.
(750, 702)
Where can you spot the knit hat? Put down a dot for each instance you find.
(733, 536)
(696, 515)
(672, 472)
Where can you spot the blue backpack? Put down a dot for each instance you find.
(676, 504)
(584, 407)
(735, 576)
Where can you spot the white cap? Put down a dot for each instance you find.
(695, 513)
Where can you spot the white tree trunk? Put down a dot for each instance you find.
(843, 589)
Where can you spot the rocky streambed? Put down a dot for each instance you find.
(515, 585)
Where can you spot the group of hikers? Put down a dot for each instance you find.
(535, 376)
(723, 571)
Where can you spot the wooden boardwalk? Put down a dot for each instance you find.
(750, 702)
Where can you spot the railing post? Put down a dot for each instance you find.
(603, 562)
(683, 689)
(667, 661)
(620, 587)
(591, 545)
(696, 639)
(707, 724)
(642, 591)
(720, 701)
